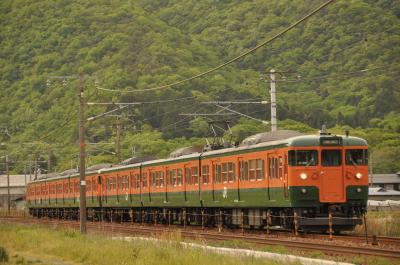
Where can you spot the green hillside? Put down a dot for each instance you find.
(137, 45)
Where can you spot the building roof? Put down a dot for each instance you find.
(385, 178)
(15, 180)
(382, 191)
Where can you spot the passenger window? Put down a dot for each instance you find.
(231, 171)
(188, 176)
(219, 173)
(243, 171)
(180, 177)
(205, 174)
(224, 172)
(195, 175)
(252, 170)
(331, 158)
(357, 157)
(260, 169)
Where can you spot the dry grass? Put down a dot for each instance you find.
(383, 223)
(36, 245)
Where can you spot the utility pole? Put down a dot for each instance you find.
(118, 149)
(30, 167)
(49, 161)
(273, 101)
(36, 167)
(82, 193)
(8, 186)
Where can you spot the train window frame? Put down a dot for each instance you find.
(153, 179)
(243, 170)
(224, 173)
(252, 170)
(231, 172)
(260, 169)
(162, 179)
(280, 164)
(188, 176)
(89, 185)
(293, 158)
(195, 175)
(352, 162)
(144, 180)
(338, 151)
(205, 171)
(179, 177)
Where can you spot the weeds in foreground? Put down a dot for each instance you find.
(383, 223)
(3, 255)
(71, 247)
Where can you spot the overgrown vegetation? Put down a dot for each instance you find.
(382, 223)
(3, 255)
(128, 45)
(70, 246)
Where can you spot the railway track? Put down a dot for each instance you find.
(388, 247)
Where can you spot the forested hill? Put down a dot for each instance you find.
(340, 68)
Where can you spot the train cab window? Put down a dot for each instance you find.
(231, 172)
(357, 157)
(252, 170)
(303, 158)
(331, 158)
(260, 170)
(243, 170)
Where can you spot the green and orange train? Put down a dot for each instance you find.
(310, 176)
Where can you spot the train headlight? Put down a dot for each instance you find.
(303, 176)
(358, 175)
(303, 190)
(358, 189)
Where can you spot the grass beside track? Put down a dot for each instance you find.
(382, 223)
(37, 245)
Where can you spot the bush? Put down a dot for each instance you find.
(3, 255)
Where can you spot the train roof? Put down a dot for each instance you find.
(298, 141)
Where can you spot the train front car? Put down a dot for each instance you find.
(328, 174)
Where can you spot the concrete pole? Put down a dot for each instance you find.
(82, 193)
(8, 187)
(273, 101)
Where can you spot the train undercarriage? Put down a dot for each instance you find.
(301, 219)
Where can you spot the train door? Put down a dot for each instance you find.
(285, 177)
(186, 177)
(275, 187)
(332, 181)
(99, 184)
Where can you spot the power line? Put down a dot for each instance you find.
(231, 60)
(139, 103)
(314, 78)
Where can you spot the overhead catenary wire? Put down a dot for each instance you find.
(139, 103)
(315, 78)
(229, 61)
